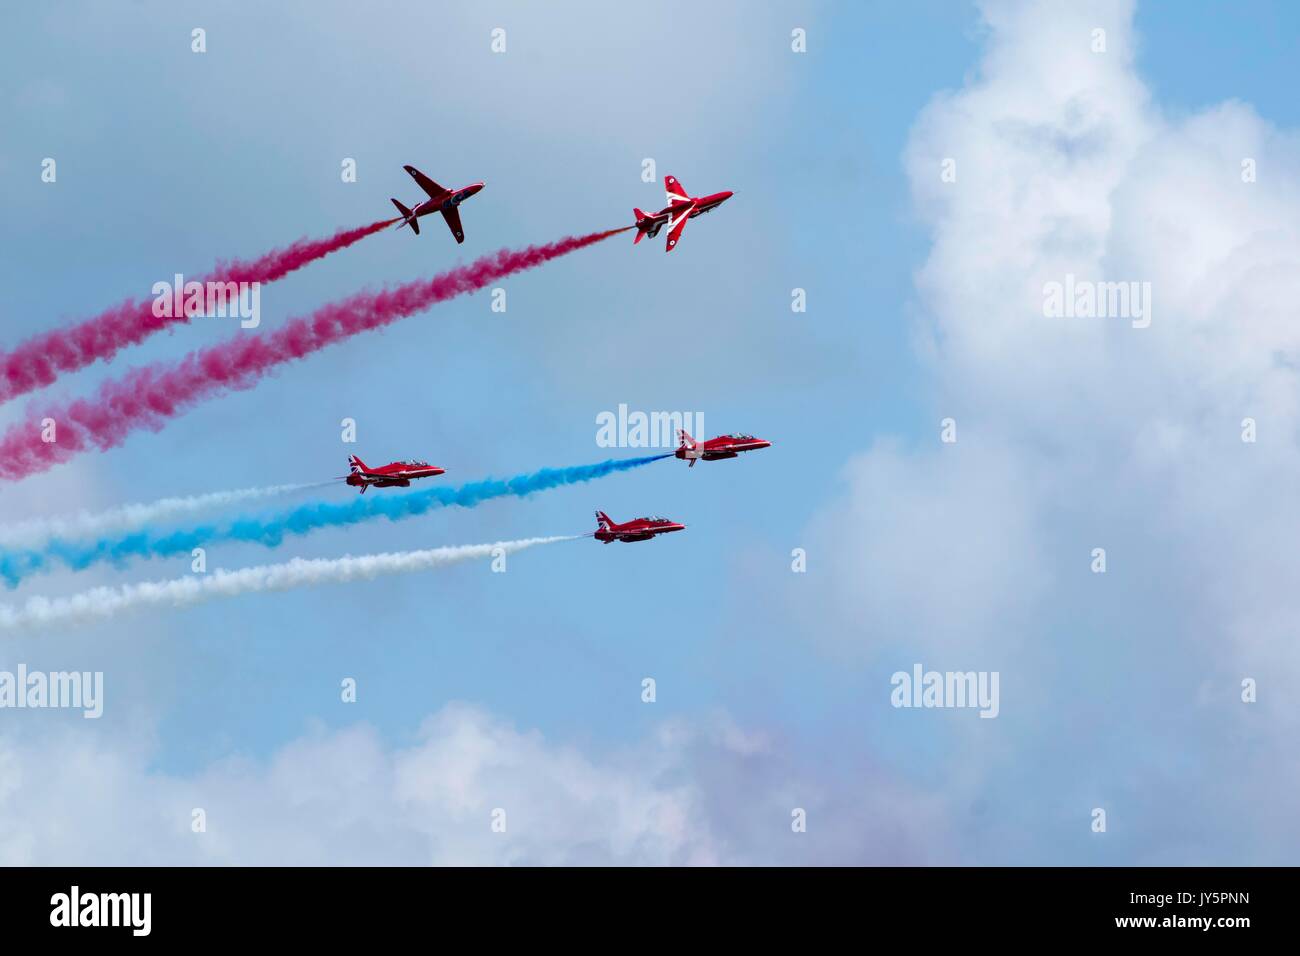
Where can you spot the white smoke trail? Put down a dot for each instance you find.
(37, 531)
(107, 602)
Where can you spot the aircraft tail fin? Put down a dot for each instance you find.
(688, 448)
(602, 519)
(407, 218)
(355, 464)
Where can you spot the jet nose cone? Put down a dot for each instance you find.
(727, 195)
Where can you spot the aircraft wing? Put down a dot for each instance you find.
(676, 226)
(674, 190)
(428, 185)
(452, 215)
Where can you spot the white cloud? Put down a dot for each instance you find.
(1065, 166)
(1076, 433)
(685, 795)
(931, 548)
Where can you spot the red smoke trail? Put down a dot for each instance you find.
(147, 397)
(38, 361)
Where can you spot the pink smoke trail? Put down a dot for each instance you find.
(38, 361)
(147, 397)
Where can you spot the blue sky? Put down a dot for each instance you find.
(773, 688)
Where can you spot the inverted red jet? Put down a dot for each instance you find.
(397, 474)
(680, 208)
(440, 199)
(724, 446)
(638, 529)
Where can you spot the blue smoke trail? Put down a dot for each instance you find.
(271, 529)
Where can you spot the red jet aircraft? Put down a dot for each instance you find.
(396, 474)
(440, 199)
(724, 446)
(638, 529)
(680, 208)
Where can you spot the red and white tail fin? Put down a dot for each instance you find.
(602, 519)
(639, 217)
(355, 464)
(690, 448)
(674, 191)
(407, 218)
